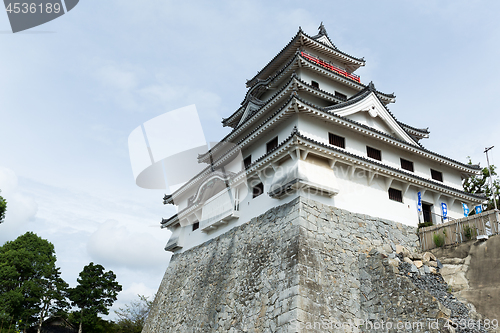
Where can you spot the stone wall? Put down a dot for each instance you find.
(288, 270)
(472, 270)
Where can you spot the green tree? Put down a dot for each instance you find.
(480, 185)
(54, 297)
(27, 269)
(3, 208)
(132, 317)
(95, 294)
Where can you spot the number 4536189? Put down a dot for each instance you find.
(33, 8)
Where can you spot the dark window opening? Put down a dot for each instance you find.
(247, 161)
(315, 84)
(336, 140)
(272, 144)
(407, 165)
(437, 175)
(395, 195)
(340, 95)
(374, 153)
(427, 212)
(196, 225)
(258, 190)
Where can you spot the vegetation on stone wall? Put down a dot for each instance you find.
(438, 239)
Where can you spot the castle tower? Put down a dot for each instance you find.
(281, 232)
(309, 126)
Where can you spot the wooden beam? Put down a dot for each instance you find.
(350, 174)
(297, 152)
(261, 175)
(292, 154)
(371, 175)
(405, 188)
(332, 162)
(304, 154)
(388, 183)
(437, 196)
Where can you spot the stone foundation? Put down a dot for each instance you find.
(294, 266)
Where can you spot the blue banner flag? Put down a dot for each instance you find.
(444, 209)
(479, 209)
(466, 209)
(419, 201)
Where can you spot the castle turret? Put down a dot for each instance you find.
(309, 126)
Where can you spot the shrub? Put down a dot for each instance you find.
(470, 232)
(424, 224)
(438, 239)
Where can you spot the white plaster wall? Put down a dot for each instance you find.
(249, 208)
(258, 147)
(365, 119)
(325, 83)
(391, 155)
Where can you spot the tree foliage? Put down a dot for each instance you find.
(132, 317)
(480, 185)
(95, 293)
(30, 282)
(3, 208)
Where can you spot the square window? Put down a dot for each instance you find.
(340, 95)
(407, 165)
(247, 161)
(315, 84)
(272, 144)
(437, 175)
(395, 195)
(336, 140)
(196, 225)
(258, 190)
(374, 153)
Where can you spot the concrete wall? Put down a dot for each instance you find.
(472, 269)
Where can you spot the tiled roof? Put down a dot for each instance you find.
(230, 119)
(292, 41)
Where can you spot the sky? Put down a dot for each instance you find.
(73, 89)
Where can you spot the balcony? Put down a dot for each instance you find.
(218, 210)
(331, 67)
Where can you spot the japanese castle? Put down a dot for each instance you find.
(308, 126)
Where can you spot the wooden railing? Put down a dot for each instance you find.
(460, 230)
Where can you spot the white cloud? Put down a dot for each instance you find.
(120, 244)
(21, 208)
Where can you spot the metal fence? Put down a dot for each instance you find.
(460, 230)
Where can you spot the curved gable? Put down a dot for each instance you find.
(371, 112)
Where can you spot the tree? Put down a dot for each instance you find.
(29, 279)
(53, 300)
(480, 185)
(3, 208)
(95, 294)
(133, 316)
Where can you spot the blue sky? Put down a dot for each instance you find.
(72, 90)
